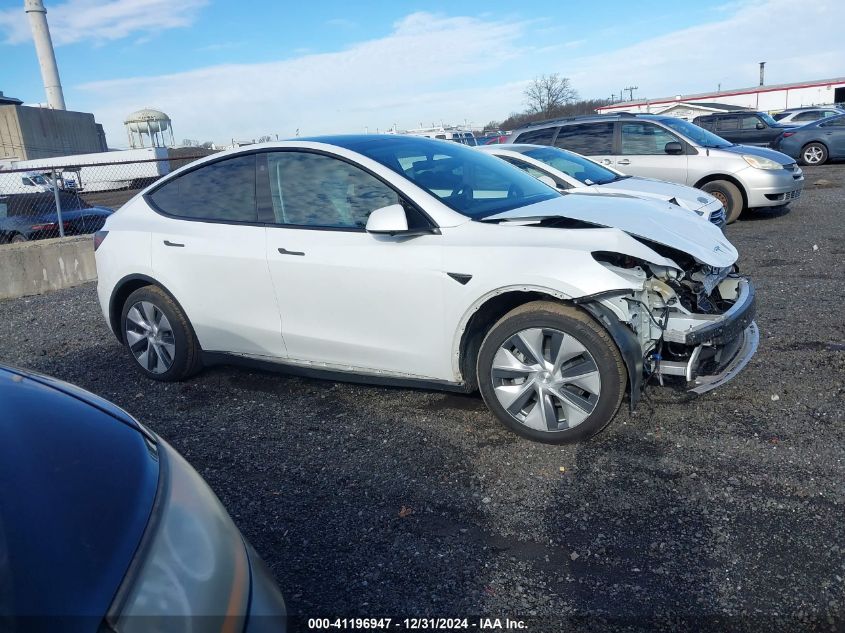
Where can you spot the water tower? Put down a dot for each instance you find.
(150, 123)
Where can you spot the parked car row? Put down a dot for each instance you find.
(666, 148)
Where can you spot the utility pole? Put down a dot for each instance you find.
(630, 90)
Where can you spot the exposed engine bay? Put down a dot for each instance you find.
(694, 324)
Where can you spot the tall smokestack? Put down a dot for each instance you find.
(46, 57)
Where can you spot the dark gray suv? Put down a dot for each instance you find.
(746, 128)
(666, 148)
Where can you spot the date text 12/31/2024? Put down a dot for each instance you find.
(416, 624)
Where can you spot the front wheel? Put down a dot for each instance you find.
(814, 154)
(551, 373)
(729, 195)
(158, 335)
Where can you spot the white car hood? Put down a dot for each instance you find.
(652, 220)
(686, 197)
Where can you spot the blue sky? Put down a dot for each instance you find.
(225, 69)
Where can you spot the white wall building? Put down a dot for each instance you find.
(766, 98)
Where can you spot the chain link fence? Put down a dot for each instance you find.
(58, 197)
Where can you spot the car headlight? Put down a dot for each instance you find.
(191, 562)
(761, 163)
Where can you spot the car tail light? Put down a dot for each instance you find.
(99, 236)
(786, 134)
(44, 227)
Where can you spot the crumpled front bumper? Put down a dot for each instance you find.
(721, 345)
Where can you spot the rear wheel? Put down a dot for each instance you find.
(814, 154)
(158, 336)
(17, 238)
(551, 373)
(729, 195)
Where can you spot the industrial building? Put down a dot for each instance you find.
(32, 132)
(43, 132)
(766, 98)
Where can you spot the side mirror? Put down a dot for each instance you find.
(548, 181)
(760, 125)
(673, 147)
(389, 220)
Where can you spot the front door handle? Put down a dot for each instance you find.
(624, 161)
(285, 251)
(169, 243)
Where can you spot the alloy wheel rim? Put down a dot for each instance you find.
(150, 337)
(546, 379)
(813, 154)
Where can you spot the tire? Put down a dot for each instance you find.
(158, 336)
(814, 153)
(729, 195)
(570, 411)
(17, 238)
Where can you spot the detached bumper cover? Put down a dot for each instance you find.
(748, 341)
(732, 323)
(721, 345)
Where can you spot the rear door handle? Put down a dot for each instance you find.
(285, 251)
(624, 161)
(169, 243)
(605, 161)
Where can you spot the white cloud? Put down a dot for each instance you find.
(697, 59)
(98, 21)
(425, 69)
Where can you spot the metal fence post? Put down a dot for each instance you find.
(58, 204)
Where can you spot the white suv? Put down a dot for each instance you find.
(414, 261)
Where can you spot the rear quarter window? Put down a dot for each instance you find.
(542, 136)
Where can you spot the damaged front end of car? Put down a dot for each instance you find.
(675, 303)
(693, 324)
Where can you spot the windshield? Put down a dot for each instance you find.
(472, 183)
(578, 167)
(697, 135)
(768, 119)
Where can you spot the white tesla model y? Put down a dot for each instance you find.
(409, 260)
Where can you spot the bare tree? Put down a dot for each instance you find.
(545, 94)
(265, 138)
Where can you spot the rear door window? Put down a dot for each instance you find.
(728, 123)
(589, 139)
(222, 191)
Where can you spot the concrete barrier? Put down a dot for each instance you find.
(36, 267)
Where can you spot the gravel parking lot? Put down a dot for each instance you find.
(720, 511)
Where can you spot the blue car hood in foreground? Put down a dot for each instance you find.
(77, 485)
